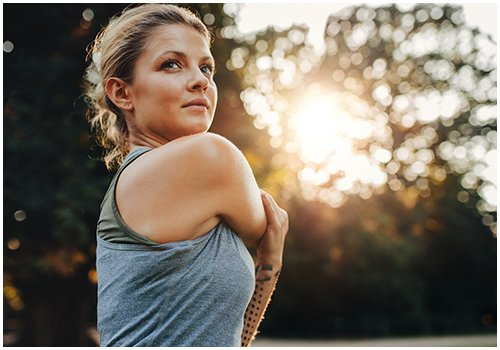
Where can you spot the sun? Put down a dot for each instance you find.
(316, 127)
(327, 136)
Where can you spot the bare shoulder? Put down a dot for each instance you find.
(184, 186)
(191, 156)
(206, 145)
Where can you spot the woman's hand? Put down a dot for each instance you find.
(270, 248)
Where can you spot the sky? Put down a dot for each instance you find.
(256, 16)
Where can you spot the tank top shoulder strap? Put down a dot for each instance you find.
(111, 226)
(126, 162)
(131, 157)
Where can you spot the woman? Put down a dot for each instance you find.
(172, 266)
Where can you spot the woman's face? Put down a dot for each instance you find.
(173, 93)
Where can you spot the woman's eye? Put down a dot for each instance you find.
(207, 70)
(170, 64)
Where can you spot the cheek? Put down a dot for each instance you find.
(161, 97)
(213, 98)
(214, 94)
(160, 89)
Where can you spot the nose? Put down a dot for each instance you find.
(199, 81)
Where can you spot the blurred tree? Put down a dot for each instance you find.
(376, 268)
(52, 187)
(399, 100)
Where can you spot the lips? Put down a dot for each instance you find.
(199, 102)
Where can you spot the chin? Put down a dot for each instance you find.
(201, 127)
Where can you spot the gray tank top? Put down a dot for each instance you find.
(186, 293)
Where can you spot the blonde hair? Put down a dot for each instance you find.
(114, 54)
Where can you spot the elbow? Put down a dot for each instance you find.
(254, 237)
(252, 241)
(250, 232)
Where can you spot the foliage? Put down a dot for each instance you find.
(396, 98)
(394, 125)
(376, 268)
(367, 266)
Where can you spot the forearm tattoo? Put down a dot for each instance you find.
(265, 283)
(263, 272)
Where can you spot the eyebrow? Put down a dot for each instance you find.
(183, 55)
(178, 53)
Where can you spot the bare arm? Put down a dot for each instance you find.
(269, 255)
(186, 186)
(265, 283)
(239, 201)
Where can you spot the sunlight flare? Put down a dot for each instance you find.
(316, 126)
(327, 138)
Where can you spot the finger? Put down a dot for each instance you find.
(268, 206)
(280, 215)
(274, 217)
(280, 212)
(272, 202)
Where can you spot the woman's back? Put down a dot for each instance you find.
(183, 293)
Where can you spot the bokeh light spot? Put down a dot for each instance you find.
(486, 319)
(209, 19)
(13, 243)
(20, 215)
(8, 46)
(92, 275)
(88, 14)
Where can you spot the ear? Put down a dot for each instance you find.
(118, 92)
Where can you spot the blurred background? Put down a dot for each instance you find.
(379, 139)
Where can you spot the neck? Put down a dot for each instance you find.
(138, 139)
